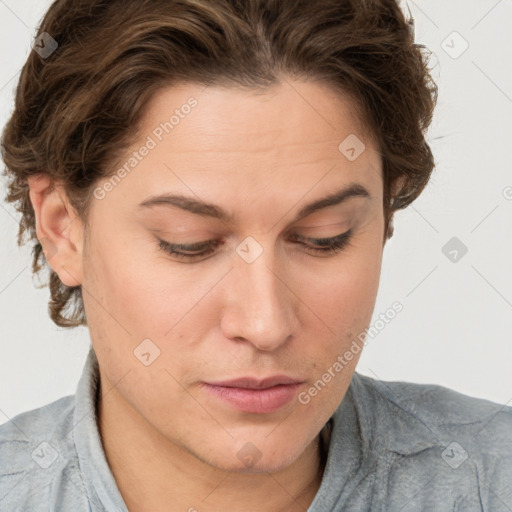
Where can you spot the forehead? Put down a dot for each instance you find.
(271, 122)
(249, 150)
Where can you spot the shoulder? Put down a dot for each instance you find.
(436, 404)
(438, 411)
(439, 407)
(432, 433)
(36, 450)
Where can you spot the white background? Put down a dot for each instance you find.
(456, 325)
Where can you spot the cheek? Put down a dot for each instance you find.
(340, 307)
(345, 297)
(146, 297)
(136, 293)
(120, 294)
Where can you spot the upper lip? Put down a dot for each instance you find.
(255, 383)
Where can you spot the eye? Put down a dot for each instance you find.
(326, 246)
(177, 249)
(323, 246)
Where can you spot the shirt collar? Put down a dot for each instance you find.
(99, 482)
(345, 451)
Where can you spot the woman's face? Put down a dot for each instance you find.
(259, 301)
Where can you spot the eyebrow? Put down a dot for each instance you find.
(214, 211)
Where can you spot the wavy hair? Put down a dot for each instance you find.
(75, 110)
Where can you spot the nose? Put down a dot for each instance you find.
(261, 308)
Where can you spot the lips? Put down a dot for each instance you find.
(254, 383)
(255, 401)
(252, 395)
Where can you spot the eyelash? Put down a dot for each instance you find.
(329, 246)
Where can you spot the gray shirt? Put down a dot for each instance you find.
(394, 446)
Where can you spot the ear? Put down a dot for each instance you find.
(390, 230)
(58, 228)
(395, 188)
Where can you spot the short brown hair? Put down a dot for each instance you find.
(75, 110)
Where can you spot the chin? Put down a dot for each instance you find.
(249, 459)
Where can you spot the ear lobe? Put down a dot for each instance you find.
(398, 185)
(58, 228)
(391, 228)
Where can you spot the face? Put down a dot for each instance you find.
(248, 290)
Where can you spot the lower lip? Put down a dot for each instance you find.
(258, 401)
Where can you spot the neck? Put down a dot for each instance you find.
(152, 471)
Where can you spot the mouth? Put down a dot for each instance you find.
(256, 401)
(255, 396)
(255, 383)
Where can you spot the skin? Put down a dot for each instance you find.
(169, 443)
